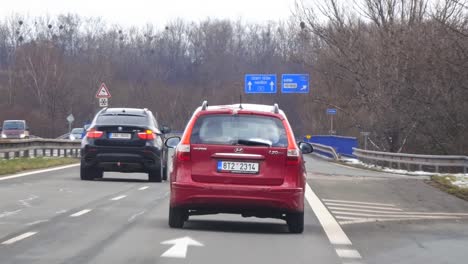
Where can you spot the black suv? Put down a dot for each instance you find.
(124, 140)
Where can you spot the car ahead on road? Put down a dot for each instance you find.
(14, 129)
(240, 159)
(124, 140)
(76, 133)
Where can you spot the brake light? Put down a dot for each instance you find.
(147, 135)
(93, 133)
(292, 157)
(183, 152)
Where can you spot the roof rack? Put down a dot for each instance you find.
(275, 109)
(204, 105)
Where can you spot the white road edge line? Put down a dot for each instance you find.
(37, 172)
(80, 213)
(18, 238)
(355, 202)
(143, 188)
(338, 209)
(335, 234)
(118, 197)
(396, 215)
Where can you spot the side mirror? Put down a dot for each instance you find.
(306, 148)
(165, 129)
(172, 142)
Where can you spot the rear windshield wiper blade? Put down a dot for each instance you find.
(254, 142)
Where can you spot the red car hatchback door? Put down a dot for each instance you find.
(239, 149)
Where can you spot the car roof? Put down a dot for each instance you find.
(260, 108)
(14, 121)
(129, 111)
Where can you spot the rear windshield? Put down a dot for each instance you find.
(13, 125)
(77, 131)
(239, 129)
(123, 120)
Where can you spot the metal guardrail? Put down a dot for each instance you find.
(375, 157)
(325, 149)
(39, 147)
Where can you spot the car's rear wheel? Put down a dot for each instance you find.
(177, 217)
(295, 222)
(88, 174)
(155, 175)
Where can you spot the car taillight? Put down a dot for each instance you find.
(147, 135)
(183, 152)
(93, 133)
(292, 157)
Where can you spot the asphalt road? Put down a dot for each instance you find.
(53, 217)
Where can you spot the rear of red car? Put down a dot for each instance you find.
(238, 160)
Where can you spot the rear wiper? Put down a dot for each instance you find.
(254, 142)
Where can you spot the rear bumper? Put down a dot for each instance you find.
(241, 199)
(141, 159)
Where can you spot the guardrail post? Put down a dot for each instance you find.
(420, 167)
(35, 153)
(26, 154)
(7, 155)
(437, 168)
(465, 170)
(17, 154)
(65, 152)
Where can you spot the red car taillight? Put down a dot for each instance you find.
(93, 133)
(183, 152)
(292, 157)
(147, 135)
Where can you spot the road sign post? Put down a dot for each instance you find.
(260, 83)
(331, 112)
(103, 95)
(70, 119)
(366, 135)
(295, 83)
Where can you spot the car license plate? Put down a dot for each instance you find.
(120, 135)
(238, 167)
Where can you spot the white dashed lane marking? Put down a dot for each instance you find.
(18, 238)
(143, 188)
(80, 213)
(348, 253)
(118, 197)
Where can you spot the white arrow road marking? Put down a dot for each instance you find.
(179, 248)
(18, 238)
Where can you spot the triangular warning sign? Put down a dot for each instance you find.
(103, 92)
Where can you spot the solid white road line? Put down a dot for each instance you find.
(118, 197)
(363, 206)
(18, 238)
(335, 234)
(355, 202)
(369, 220)
(37, 172)
(143, 188)
(348, 253)
(80, 213)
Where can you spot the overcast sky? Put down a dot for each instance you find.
(158, 12)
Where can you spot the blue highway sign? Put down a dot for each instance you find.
(331, 111)
(295, 83)
(260, 83)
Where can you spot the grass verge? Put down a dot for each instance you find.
(445, 184)
(23, 164)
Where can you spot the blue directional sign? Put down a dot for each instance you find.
(295, 83)
(260, 83)
(331, 111)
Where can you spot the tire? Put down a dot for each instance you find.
(88, 174)
(295, 222)
(155, 175)
(177, 217)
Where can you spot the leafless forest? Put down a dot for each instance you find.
(395, 68)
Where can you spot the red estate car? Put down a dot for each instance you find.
(240, 159)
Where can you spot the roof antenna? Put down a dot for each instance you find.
(240, 100)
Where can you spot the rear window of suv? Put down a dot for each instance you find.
(224, 129)
(13, 125)
(127, 120)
